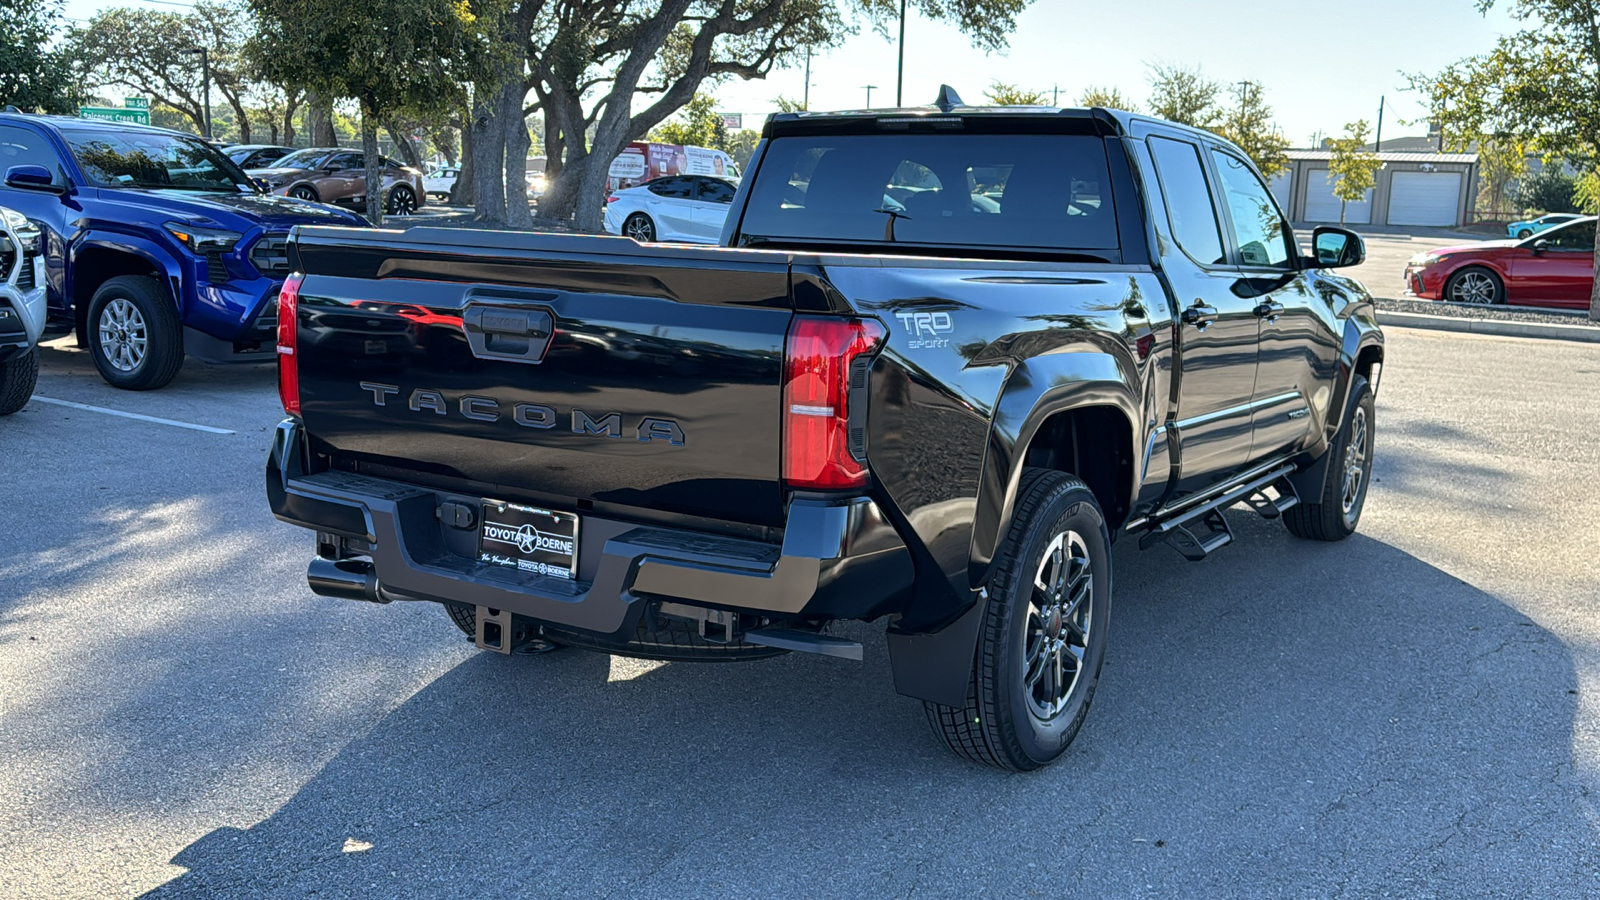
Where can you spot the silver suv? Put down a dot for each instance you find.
(22, 309)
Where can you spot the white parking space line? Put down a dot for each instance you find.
(128, 415)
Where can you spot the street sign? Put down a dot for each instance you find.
(112, 114)
(732, 121)
(136, 103)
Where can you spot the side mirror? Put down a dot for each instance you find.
(33, 178)
(1541, 247)
(1337, 248)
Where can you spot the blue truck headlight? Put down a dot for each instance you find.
(204, 240)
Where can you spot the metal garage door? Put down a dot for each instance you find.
(1280, 186)
(1323, 206)
(1424, 198)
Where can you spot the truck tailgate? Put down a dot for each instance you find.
(563, 369)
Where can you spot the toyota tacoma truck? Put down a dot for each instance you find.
(942, 359)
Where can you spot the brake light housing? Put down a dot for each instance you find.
(288, 344)
(825, 365)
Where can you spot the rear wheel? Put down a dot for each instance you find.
(639, 227)
(402, 202)
(134, 333)
(1475, 285)
(1335, 513)
(1043, 634)
(18, 375)
(1524, 234)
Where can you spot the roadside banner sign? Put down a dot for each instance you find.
(113, 114)
(732, 121)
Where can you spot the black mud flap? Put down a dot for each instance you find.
(937, 667)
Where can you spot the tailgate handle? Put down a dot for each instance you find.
(508, 333)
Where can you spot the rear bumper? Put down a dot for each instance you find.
(838, 559)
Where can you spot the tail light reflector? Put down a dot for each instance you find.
(825, 366)
(288, 343)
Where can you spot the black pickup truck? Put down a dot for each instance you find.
(944, 357)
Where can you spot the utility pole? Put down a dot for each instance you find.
(1377, 143)
(205, 83)
(900, 75)
(869, 88)
(805, 98)
(1055, 95)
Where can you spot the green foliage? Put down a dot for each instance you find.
(32, 75)
(1002, 94)
(1106, 97)
(788, 104)
(697, 125)
(1353, 167)
(1587, 194)
(1248, 123)
(988, 23)
(1182, 94)
(1549, 191)
(742, 146)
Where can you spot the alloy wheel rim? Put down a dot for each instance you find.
(639, 230)
(1474, 287)
(1057, 625)
(304, 194)
(124, 338)
(402, 203)
(1355, 461)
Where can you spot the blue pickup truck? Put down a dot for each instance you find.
(156, 246)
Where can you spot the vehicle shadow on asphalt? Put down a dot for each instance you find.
(1285, 719)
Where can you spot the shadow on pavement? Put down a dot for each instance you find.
(1288, 719)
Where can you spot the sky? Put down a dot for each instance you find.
(1320, 65)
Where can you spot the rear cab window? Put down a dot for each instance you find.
(1038, 194)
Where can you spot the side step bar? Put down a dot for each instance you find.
(1197, 533)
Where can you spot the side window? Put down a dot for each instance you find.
(22, 147)
(1183, 184)
(1258, 227)
(341, 161)
(676, 188)
(1577, 236)
(714, 190)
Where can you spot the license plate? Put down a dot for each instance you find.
(530, 539)
(377, 345)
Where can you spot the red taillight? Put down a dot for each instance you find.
(288, 343)
(820, 359)
(612, 199)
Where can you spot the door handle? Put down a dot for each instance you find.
(1269, 310)
(1199, 315)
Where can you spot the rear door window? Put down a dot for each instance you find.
(1183, 184)
(1036, 192)
(715, 190)
(675, 188)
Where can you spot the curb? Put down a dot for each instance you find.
(1583, 333)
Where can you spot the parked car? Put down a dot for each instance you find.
(156, 245)
(22, 308)
(256, 156)
(335, 175)
(1534, 226)
(1553, 268)
(683, 208)
(440, 182)
(938, 418)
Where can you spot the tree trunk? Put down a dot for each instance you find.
(369, 150)
(319, 115)
(515, 128)
(240, 117)
(403, 143)
(444, 140)
(488, 157)
(291, 105)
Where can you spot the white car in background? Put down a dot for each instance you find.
(680, 208)
(440, 182)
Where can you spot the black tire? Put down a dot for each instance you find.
(18, 375)
(1004, 723)
(1475, 284)
(1334, 514)
(402, 202)
(305, 192)
(639, 227)
(1524, 234)
(125, 310)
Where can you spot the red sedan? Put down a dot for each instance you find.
(1552, 268)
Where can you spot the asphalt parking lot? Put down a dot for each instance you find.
(1413, 712)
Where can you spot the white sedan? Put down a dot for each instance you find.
(688, 208)
(440, 182)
